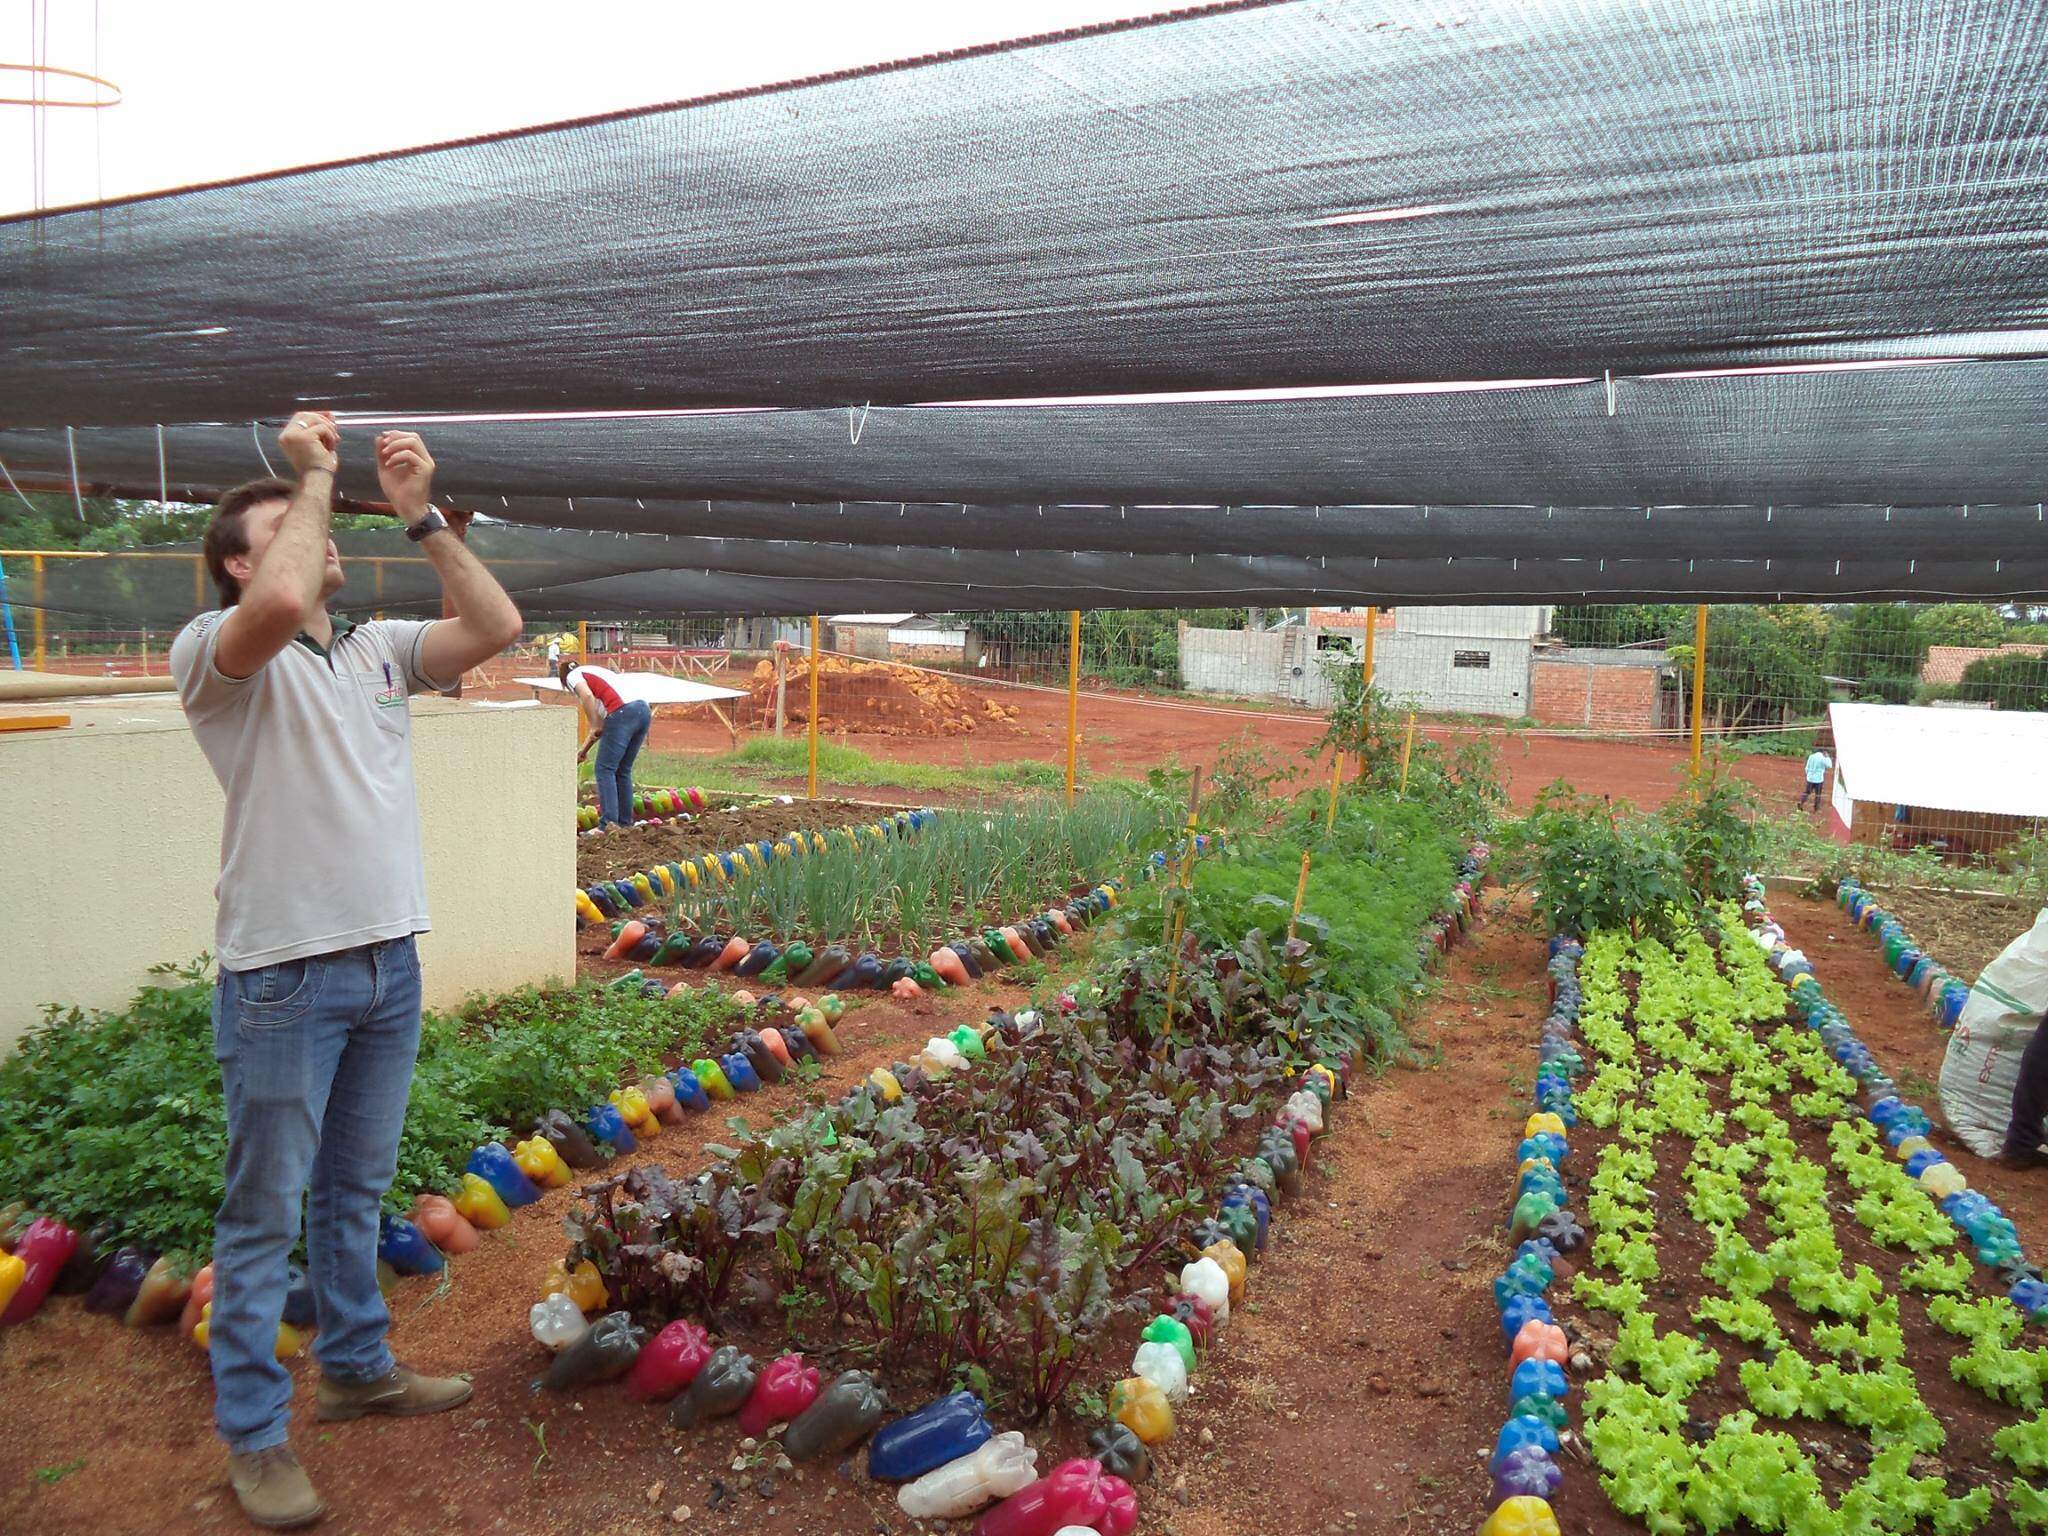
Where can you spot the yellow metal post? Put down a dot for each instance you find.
(1699, 680)
(812, 791)
(1372, 630)
(583, 639)
(1407, 746)
(1336, 779)
(199, 581)
(1073, 699)
(1300, 895)
(36, 591)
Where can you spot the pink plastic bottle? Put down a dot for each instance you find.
(1075, 1492)
(668, 1362)
(45, 1248)
(786, 1388)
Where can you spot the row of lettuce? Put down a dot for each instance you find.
(1105, 1166)
(1698, 1063)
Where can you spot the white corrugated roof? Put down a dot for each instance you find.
(1988, 760)
(653, 688)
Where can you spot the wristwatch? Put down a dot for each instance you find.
(433, 522)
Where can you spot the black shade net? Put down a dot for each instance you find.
(1308, 193)
(554, 571)
(1954, 433)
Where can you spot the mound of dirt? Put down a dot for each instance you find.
(883, 699)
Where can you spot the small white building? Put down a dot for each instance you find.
(1965, 782)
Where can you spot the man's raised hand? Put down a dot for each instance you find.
(406, 471)
(311, 441)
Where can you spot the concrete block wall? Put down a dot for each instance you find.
(111, 847)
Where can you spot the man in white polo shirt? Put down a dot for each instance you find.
(316, 1014)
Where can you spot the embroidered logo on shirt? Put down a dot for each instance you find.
(392, 694)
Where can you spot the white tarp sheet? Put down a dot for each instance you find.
(1989, 761)
(652, 688)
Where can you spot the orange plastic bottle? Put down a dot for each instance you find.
(444, 1226)
(1230, 1258)
(1141, 1407)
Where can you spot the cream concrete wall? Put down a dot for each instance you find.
(110, 846)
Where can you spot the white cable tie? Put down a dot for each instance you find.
(256, 437)
(1608, 375)
(854, 428)
(77, 496)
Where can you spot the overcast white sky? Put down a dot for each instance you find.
(218, 88)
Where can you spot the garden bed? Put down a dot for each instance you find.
(620, 852)
(1964, 932)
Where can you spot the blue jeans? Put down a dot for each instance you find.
(625, 728)
(316, 1059)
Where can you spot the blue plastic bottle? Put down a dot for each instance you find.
(740, 1072)
(689, 1092)
(405, 1248)
(605, 1123)
(1517, 1310)
(494, 1165)
(1538, 1378)
(1519, 1433)
(1254, 1197)
(937, 1433)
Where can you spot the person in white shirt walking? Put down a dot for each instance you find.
(1817, 765)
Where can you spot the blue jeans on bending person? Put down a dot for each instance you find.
(316, 1059)
(625, 729)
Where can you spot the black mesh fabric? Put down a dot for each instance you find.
(1576, 188)
(1954, 433)
(609, 574)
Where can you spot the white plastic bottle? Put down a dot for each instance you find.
(1205, 1278)
(994, 1471)
(557, 1322)
(1162, 1365)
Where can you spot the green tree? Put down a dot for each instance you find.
(2015, 680)
(1879, 647)
(1621, 623)
(1962, 624)
(1756, 673)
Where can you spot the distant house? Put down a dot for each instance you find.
(1964, 783)
(906, 637)
(1945, 663)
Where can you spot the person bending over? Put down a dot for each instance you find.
(316, 1013)
(618, 727)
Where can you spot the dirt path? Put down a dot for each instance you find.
(1907, 1044)
(1367, 1380)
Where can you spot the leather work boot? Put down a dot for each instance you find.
(273, 1489)
(400, 1393)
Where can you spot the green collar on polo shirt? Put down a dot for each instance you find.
(326, 652)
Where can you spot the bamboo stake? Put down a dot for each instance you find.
(811, 792)
(1073, 698)
(1336, 779)
(1300, 895)
(1407, 746)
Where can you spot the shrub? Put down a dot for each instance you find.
(118, 1115)
(1593, 865)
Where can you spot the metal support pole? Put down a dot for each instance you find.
(812, 791)
(199, 581)
(583, 639)
(781, 685)
(1073, 699)
(1699, 680)
(42, 650)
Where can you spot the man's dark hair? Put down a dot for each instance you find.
(226, 537)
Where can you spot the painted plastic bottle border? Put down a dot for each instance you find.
(1995, 1244)
(1941, 991)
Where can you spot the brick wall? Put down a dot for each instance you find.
(1600, 697)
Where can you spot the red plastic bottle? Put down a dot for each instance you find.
(45, 1248)
(1074, 1493)
(786, 1388)
(668, 1363)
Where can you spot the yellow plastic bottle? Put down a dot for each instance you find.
(480, 1205)
(885, 1081)
(1230, 1259)
(1142, 1408)
(290, 1341)
(540, 1162)
(1523, 1515)
(1543, 1121)
(12, 1273)
(634, 1109)
(582, 1285)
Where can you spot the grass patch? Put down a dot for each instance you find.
(763, 760)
